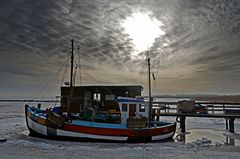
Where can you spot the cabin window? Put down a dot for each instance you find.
(110, 97)
(96, 96)
(124, 107)
(141, 107)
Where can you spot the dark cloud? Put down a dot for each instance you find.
(201, 38)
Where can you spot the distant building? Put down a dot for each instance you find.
(102, 97)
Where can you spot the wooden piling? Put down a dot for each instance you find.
(231, 125)
(182, 124)
(226, 124)
(181, 120)
(158, 115)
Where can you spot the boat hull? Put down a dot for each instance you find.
(89, 131)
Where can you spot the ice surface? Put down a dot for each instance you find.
(206, 140)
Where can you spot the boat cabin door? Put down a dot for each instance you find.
(87, 99)
(132, 107)
(132, 110)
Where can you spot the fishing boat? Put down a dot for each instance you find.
(131, 121)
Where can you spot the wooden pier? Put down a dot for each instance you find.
(228, 111)
(28, 100)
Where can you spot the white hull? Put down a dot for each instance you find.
(38, 126)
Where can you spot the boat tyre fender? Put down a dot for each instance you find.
(178, 119)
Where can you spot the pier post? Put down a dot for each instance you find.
(158, 115)
(231, 125)
(182, 123)
(226, 123)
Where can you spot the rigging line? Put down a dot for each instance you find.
(43, 82)
(56, 75)
(40, 85)
(94, 79)
(155, 82)
(91, 77)
(74, 76)
(65, 69)
(77, 74)
(79, 79)
(80, 67)
(73, 84)
(63, 76)
(156, 76)
(64, 72)
(50, 86)
(146, 67)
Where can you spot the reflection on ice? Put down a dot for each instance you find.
(207, 137)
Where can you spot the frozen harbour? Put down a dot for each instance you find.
(206, 140)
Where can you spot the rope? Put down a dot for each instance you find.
(80, 67)
(91, 76)
(155, 82)
(42, 83)
(65, 69)
(64, 72)
(47, 78)
(51, 86)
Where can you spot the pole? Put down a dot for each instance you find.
(71, 82)
(71, 76)
(150, 95)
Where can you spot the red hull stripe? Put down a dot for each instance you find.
(120, 132)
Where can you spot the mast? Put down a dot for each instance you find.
(150, 94)
(71, 76)
(71, 82)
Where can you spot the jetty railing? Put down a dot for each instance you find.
(226, 110)
(211, 107)
(29, 100)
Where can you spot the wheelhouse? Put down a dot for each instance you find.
(132, 108)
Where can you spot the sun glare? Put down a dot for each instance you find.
(143, 30)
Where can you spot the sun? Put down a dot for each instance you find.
(143, 30)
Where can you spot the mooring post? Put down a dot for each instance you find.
(182, 124)
(231, 125)
(226, 123)
(158, 114)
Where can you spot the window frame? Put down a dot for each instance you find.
(124, 107)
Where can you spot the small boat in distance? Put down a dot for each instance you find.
(130, 121)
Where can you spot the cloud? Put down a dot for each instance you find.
(201, 39)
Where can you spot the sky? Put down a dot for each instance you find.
(194, 45)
